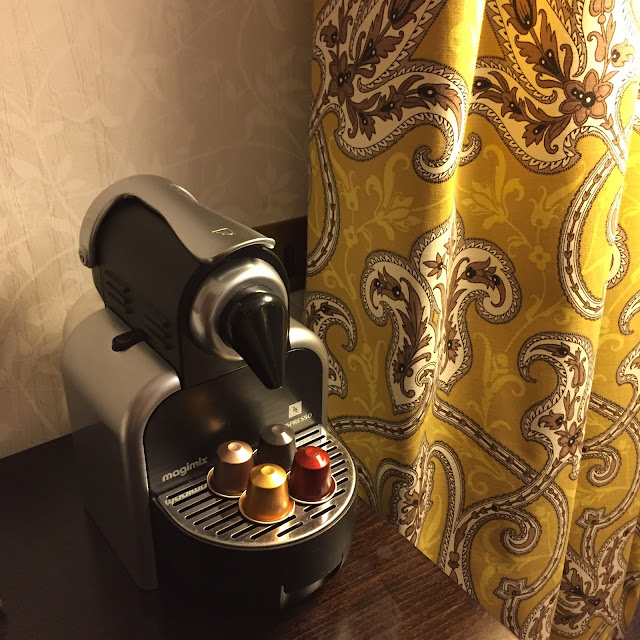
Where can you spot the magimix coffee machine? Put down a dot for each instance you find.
(191, 393)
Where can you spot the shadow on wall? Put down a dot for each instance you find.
(213, 95)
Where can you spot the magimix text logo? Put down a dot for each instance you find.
(182, 471)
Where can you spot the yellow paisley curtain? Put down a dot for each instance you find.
(474, 271)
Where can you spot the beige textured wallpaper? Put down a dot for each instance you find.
(211, 94)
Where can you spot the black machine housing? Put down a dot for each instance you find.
(194, 346)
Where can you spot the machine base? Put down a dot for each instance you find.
(267, 577)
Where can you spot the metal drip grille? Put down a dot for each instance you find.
(208, 516)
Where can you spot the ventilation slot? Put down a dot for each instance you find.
(116, 303)
(321, 513)
(290, 529)
(233, 505)
(158, 327)
(251, 527)
(117, 292)
(116, 295)
(301, 438)
(211, 505)
(259, 534)
(117, 282)
(156, 333)
(160, 323)
(221, 532)
(197, 503)
(217, 523)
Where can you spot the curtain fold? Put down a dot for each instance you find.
(473, 255)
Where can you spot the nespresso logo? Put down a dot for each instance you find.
(304, 418)
(182, 471)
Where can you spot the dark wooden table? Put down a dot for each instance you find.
(59, 579)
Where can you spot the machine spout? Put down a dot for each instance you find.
(255, 324)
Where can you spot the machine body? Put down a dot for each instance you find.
(194, 347)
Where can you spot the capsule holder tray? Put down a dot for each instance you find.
(194, 508)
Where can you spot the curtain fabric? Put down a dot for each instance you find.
(474, 271)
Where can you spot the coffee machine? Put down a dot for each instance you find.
(195, 346)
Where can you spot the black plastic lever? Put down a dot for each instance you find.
(255, 323)
(127, 340)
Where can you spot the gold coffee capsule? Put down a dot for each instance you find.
(267, 497)
(229, 476)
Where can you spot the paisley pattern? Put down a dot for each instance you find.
(378, 90)
(552, 89)
(322, 311)
(441, 280)
(473, 233)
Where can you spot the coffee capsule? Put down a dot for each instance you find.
(229, 476)
(311, 479)
(266, 499)
(277, 445)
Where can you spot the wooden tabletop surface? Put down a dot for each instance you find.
(59, 579)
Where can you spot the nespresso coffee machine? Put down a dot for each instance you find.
(194, 349)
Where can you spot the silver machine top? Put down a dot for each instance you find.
(205, 233)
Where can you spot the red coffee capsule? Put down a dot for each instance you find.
(311, 479)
